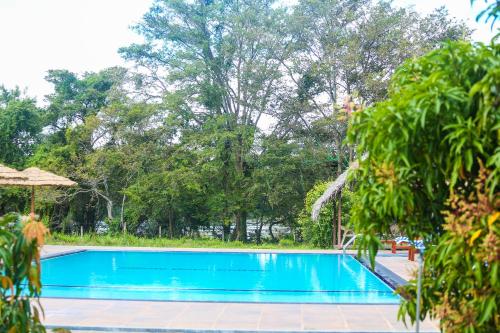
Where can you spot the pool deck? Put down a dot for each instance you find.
(85, 315)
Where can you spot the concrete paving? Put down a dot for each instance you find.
(87, 315)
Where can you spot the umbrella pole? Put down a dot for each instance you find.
(32, 214)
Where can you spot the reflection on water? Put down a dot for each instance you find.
(269, 277)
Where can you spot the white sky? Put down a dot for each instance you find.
(84, 35)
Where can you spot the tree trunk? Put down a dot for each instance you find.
(171, 224)
(340, 157)
(271, 231)
(109, 202)
(109, 208)
(122, 222)
(258, 232)
(226, 232)
(241, 215)
(241, 226)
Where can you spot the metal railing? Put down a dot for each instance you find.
(344, 246)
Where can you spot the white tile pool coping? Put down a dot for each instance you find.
(87, 315)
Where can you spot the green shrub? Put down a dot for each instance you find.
(131, 240)
(20, 283)
(320, 232)
(427, 144)
(285, 242)
(460, 283)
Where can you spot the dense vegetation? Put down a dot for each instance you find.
(20, 283)
(185, 242)
(321, 232)
(237, 112)
(233, 113)
(433, 170)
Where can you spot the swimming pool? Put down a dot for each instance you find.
(213, 276)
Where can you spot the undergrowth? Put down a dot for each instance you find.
(130, 240)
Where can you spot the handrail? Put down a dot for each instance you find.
(348, 243)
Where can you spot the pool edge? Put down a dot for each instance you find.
(392, 279)
(62, 254)
(187, 330)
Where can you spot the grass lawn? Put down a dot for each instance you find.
(129, 240)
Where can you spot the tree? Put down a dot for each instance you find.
(20, 132)
(20, 127)
(346, 54)
(235, 111)
(283, 172)
(77, 128)
(173, 196)
(321, 232)
(223, 59)
(433, 169)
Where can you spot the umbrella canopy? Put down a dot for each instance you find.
(8, 174)
(333, 189)
(37, 177)
(32, 177)
(330, 192)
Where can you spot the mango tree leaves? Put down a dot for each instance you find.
(426, 142)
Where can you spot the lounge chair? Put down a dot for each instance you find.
(404, 243)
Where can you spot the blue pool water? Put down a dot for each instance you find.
(205, 276)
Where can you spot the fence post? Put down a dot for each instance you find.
(159, 230)
(81, 231)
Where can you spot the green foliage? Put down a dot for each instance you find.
(317, 232)
(320, 232)
(425, 143)
(282, 174)
(20, 126)
(13, 199)
(20, 284)
(491, 12)
(461, 282)
(180, 143)
(224, 85)
(339, 35)
(186, 242)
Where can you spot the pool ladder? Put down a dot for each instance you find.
(344, 246)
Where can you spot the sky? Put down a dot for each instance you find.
(84, 35)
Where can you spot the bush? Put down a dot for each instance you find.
(429, 145)
(20, 283)
(131, 240)
(461, 272)
(285, 242)
(320, 232)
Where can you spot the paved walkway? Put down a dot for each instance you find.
(85, 315)
(399, 265)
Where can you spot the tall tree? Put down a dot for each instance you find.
(223, 58)
(20, 127)
(433, 170)
(351, 49)
(75, 132)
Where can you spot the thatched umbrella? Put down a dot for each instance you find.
(7, 174)
(35, 177)
(333, 190)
